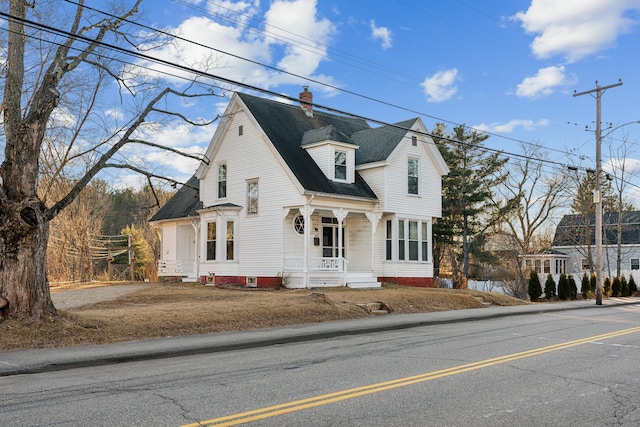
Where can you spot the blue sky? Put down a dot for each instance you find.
(508, 67)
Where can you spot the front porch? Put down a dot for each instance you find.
(324, 272)
(328, 247)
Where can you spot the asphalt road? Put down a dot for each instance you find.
(566, 368)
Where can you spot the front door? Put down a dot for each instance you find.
(330, 247)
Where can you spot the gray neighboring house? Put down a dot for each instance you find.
(569, 252)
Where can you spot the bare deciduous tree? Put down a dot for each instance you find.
(51, 108)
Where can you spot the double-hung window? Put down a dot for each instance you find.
(635, 263)
(413, 176)
(340, 171)
(401, 240)
(425, 242)
(389, 241)
(252, 197)
(413, 241)
(222, 180)
(230, 241)
(211, 241)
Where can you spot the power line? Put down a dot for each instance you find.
(191, 70)
(306, 78)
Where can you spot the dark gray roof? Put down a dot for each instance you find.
(571, 230)
(285, 125)
(377, 144)
(183, 204)
(325, 133)
(289, 127)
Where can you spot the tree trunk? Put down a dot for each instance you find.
(24, 232)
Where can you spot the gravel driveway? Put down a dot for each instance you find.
(65, 300)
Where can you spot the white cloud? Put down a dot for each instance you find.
(441, 86)
(303, 36)
(295, 39)
(382, 33)
(575, 28)
(510, 126)
(544, 83)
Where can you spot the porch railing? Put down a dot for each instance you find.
(337, 264)
(168, 267)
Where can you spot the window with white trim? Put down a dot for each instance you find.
(414, 243)
(425, 242)
(252, 197)
(547, 266)
(211, 241)
(635, 263)
(222, 180)
(413, 176)
(340, 171)
(401, 240)
(230, 241)
(389, 241)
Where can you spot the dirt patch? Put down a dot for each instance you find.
(168, 310)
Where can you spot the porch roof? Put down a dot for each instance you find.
(183, 204)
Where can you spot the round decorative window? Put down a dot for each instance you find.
(298, 224)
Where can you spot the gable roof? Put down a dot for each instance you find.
(285, 126)
(183, 204)
(377, 144)
(571, 229)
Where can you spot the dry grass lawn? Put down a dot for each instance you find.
(166, 310)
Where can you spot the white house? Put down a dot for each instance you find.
(570, 249)
(305, 198)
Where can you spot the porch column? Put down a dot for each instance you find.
(374, 218)
(340, 215)
(285, 213)
(306, 212)
(195, 223)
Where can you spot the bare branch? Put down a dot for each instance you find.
(148, 174)
(199, 157)
(181, 116)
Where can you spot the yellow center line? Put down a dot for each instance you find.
(311, 402)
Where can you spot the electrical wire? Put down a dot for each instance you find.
(232, 82)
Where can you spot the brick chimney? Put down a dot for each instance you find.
(306, 99)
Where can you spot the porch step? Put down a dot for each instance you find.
(360, 281)
(376, 307)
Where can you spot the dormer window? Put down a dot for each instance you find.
(340, 165)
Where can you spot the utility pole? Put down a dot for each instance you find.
(597, 197)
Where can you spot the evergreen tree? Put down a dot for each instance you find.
(606, 286)
(624, 287)
(535, 288)
(549, 287)
(573, 288)
(633, 288)
(616, 287)
(563, 287)
(467, 208)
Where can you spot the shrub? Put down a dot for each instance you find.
(550, 287)
(624, 287)
(606, 288)
(563, 287)
(633, 288)
(585, 287)
(616, 287)
(573, 288)
(535, 288)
